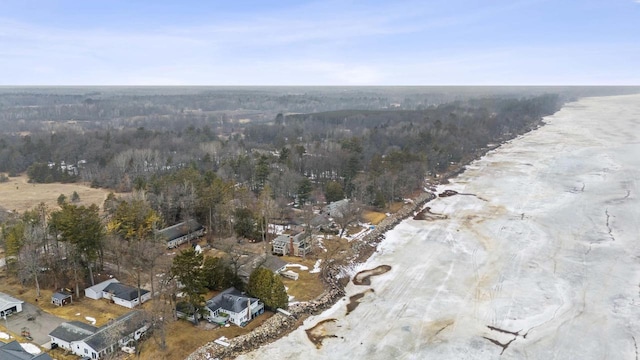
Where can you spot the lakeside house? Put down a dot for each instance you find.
(335, 208)
(233, 306)
(95, 343)
(292, 244)
(273, 263)
(181, 233)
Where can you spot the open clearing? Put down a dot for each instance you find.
(19, 195)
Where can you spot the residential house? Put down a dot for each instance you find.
(68, 332)
(9, 305)
(61, 298)
(125, 295)
(14, 351)
(272, 263)
(95, 291)
(181, 233)
(83, 341)
(335, 208)
(231, 305)
(290, 244)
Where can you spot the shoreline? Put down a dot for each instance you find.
(279, 325)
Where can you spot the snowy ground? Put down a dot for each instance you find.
(541, 263)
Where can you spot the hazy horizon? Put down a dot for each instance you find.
(319, 43)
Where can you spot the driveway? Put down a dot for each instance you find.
(41, 325)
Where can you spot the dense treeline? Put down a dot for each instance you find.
(375, 156)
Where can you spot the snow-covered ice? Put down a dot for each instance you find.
(541, 263)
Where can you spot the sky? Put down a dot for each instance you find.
(424, 42)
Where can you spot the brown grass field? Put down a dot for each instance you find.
(308, 286)
(19, 195)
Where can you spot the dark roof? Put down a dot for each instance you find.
(179, 230)
(61, 295)
(123, 291)
(231, 300)
(111, 333)
(73, 331)
(13, 351)
(272, 263)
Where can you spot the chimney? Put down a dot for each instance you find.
(291, 244)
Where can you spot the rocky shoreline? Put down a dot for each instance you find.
(281, 324)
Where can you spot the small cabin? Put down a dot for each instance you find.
(61, 298)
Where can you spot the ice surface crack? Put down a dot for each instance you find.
(503, 346)
(606, 212)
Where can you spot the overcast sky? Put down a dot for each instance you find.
(425, 42)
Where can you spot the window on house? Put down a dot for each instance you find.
(86, 351)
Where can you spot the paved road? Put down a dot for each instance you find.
(41, 325)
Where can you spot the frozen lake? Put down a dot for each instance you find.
(540, 262)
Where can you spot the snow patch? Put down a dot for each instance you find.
(30, 348)
(301, 267)
(4, 336)
(90, 319)
(316, 267)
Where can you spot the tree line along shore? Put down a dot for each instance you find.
(244, 177)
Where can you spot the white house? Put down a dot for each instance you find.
(95, 291)
(9, 305)
(125, 295)
(293, 245)
(68, 332)
(179, 234)
(83, 342)
(233, 306)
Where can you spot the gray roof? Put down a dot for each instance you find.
(61, 295)
(284, 238)
(73, 331)
(230, 300)
(179, 230)
(336, 207)
(272, 263)
(6, 300)
(100, 286)
(13, 351)
(123, 291)
(111, 333)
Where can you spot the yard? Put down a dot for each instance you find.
(183, 337)
(308, 286)
(19, 195)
